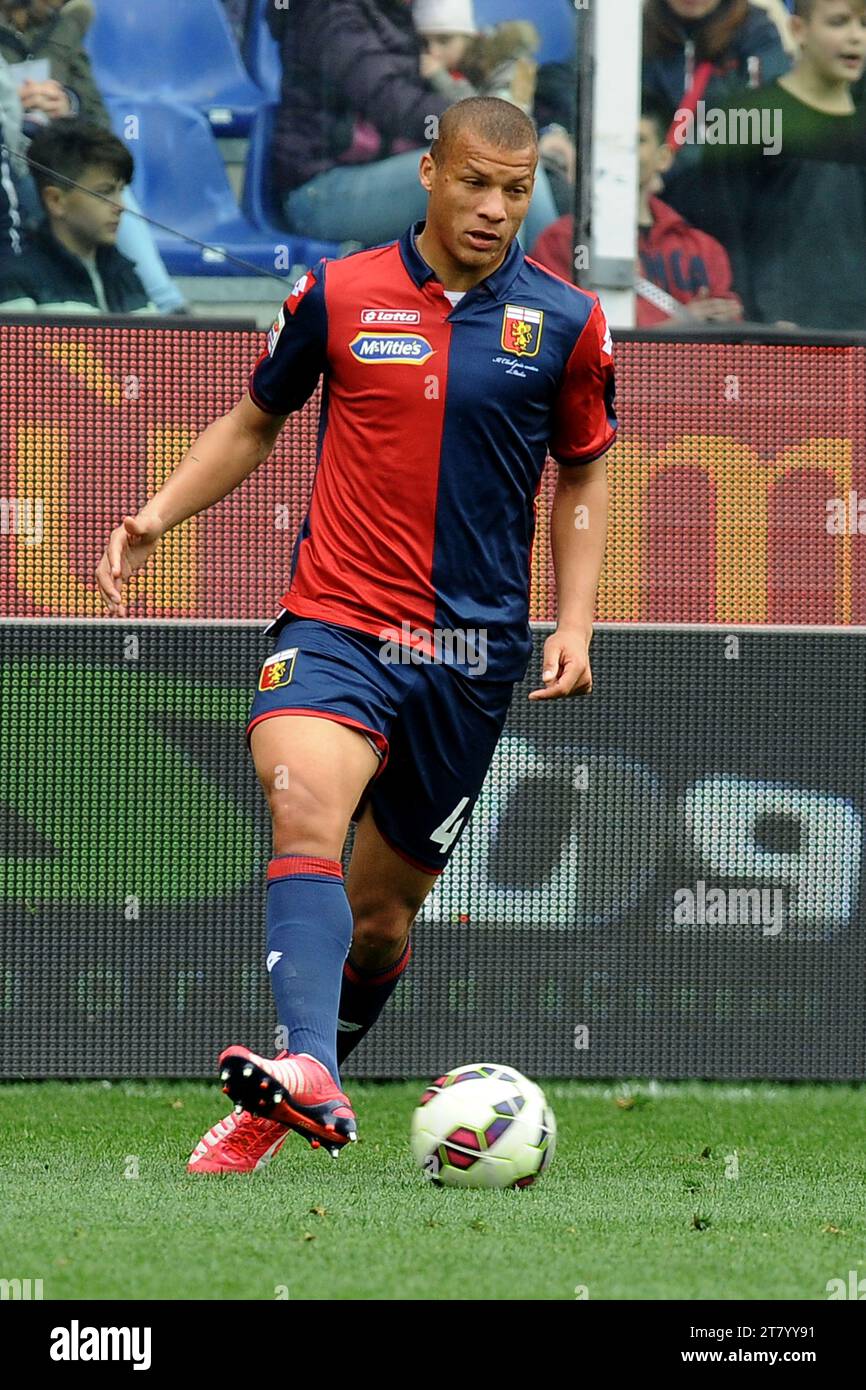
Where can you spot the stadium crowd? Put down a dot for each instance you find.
(752, 157)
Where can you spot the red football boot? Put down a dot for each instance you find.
(297, 1091)
(241, 1143)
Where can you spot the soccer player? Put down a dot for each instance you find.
(452, 365)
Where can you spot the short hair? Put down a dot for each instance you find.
(69, 146)
(499, 122)
(652, 108)
(804, 9)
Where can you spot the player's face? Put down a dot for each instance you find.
(90, 218)
(834, 39)
(479, 196)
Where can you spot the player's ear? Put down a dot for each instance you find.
(426, 171)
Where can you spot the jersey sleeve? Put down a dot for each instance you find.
(585, 423)
(285, 376)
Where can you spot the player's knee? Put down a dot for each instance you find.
(305, 823)
(381, 928)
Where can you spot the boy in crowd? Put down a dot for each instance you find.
(71, 264)
(785, 190)
(683, 274)
(460, 62)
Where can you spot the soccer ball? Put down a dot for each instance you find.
(483, 1125)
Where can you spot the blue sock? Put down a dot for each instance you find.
(363, 997)
(309, 932)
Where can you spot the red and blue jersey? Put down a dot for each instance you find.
(436, 423)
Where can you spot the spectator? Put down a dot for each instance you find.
(792, 211)
(703, 50)
(354, 116)
(461, 62)
(683, 273)
(55, 30)
(708, 48)
(12, 142)
(71, 264)
(556, 115)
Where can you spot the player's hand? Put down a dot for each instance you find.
(130, 546)
(565, 669)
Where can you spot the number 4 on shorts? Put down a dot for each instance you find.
(445, 834)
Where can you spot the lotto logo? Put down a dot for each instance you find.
(390, 315)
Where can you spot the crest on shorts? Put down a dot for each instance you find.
(521, 330)
(278, 669)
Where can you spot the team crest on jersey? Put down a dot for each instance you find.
(521, 330)
(278, 669)
(407, 348)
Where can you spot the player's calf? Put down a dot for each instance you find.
(371, 973)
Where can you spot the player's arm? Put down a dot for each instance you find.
(218, 461)
(578, 530)
(232, 447)
(585, 426)
(222, 456)
(584, 429)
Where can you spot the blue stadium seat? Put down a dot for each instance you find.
(259, 201)
(555, 21)
(178, 50)
(180, 180)
(261, 53)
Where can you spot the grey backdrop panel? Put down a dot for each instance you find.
(134, 843)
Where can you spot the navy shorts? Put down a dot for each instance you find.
(434, 728)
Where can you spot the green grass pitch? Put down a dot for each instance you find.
(686, 1191)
